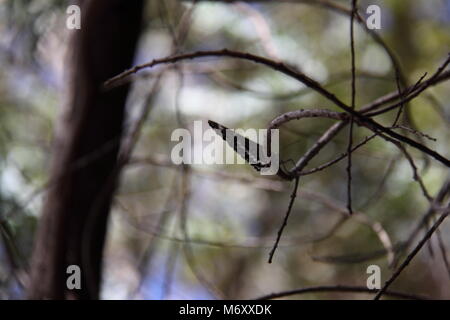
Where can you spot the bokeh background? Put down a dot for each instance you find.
(204, 232)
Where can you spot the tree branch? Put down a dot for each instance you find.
(291, 72)
(339, 288)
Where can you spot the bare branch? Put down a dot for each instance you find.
(286, 217)
(413, 253)
(353, 86)
(339, 288)
(289, 71)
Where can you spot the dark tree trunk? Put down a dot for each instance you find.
(82, 180)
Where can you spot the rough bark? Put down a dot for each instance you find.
(82, 180)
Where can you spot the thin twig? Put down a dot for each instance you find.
(219, 79)
(439, 74)
(413, 253)
(339, 288)
(360, 217)
(443, 250)
(350, 132)
(358, 257)
(438, 199)
(291, 72)
(286, 217)
(416, 132)
(379, 190)
(318, 145)
(337, 159)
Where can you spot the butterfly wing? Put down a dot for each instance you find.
(246, 148)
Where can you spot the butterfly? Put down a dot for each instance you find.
(249, 150)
